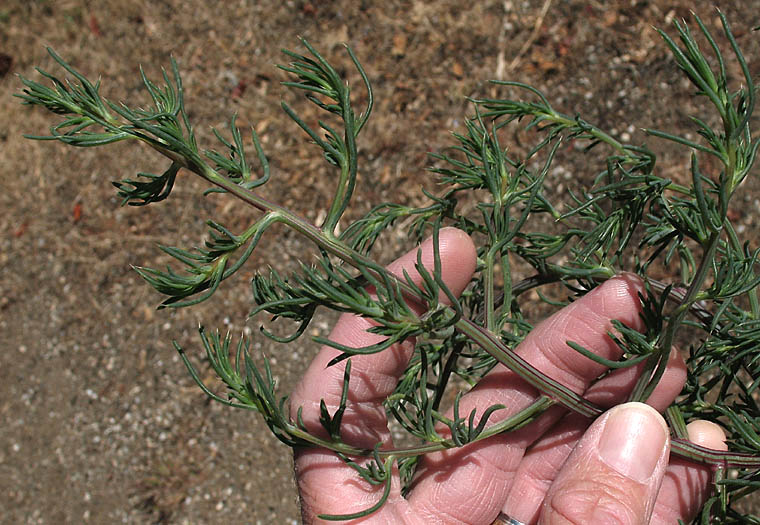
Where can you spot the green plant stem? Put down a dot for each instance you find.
(657, 364)
(485, 339)
(489, 298)
(557, 391)
(553, 390)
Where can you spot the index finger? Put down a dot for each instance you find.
(326, 483)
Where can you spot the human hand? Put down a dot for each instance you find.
(557, 469)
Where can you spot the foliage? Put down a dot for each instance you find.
(629, 218)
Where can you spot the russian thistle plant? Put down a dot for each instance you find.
(629, 218)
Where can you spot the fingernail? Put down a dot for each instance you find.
(633, 440)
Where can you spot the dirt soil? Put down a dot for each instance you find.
(100, 421)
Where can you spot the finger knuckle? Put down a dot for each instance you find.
(598, 502)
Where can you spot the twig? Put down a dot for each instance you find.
(533, 36)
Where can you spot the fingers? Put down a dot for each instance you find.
(614, 473)
(470, 485)
(544, 459)
(618, 477)
(686, 485)
(373, 378)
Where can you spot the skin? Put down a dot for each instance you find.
(560, 469)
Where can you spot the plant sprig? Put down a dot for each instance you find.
(628, 218)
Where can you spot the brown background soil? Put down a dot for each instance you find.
(100, 422)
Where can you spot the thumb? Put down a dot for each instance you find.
(614, 473)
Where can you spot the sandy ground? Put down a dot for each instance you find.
(100, 422)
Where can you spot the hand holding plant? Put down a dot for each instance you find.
(514, 471)
(447, 322)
